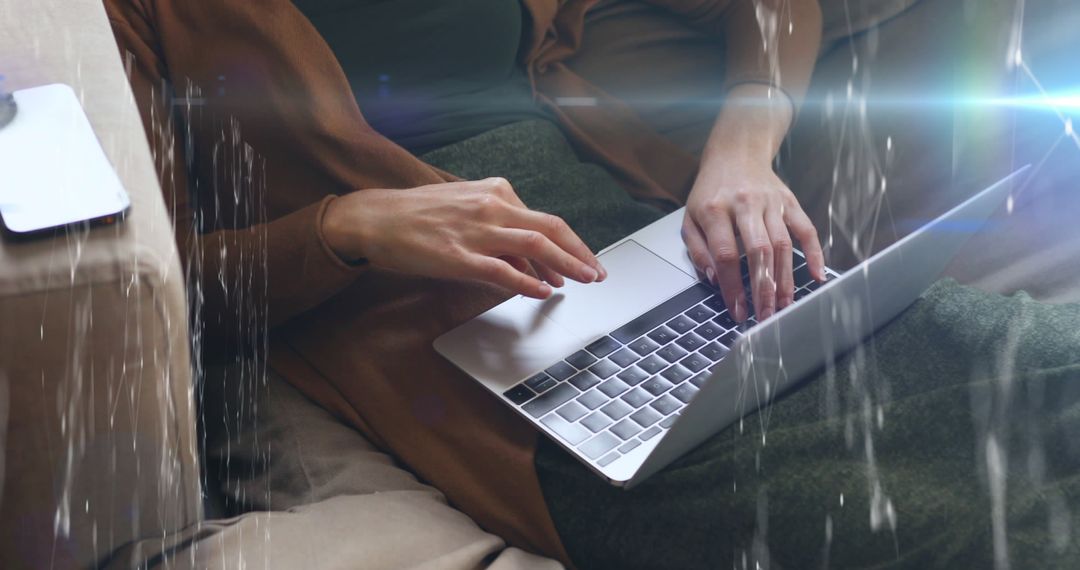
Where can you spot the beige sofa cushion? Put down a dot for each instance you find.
(93, 331)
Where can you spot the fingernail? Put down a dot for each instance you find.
(589, 274)
(544, 290)
(710, 275)
(601, 271)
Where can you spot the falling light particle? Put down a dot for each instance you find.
(841, 499)
(1068, 128)
(1009, 204)
(1018, 58)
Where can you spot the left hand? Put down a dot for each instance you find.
(736, 197)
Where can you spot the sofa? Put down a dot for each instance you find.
(98, 414)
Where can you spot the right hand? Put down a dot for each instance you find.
(473, 230)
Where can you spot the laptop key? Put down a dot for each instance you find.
(572, 433)
(661, 313)
(593, 399)
(561, 371)
(690, 342)
(637, 397)
(716, 303)
(644, 345)
(714, 351)
(580, 359)
(545, 386)
(802, 275)
(603, 346)
(671, 352)
(550, 400)
(650, 433)
(663, 335)
(519, 394)
(633, 376)
(700, 313)
(646, 416)
(700, 379)
(729, 338)
(666, 404)
(596, 421)
(676, 373)
(656, 386)
(685, 392)
(607, 459)
(629, 446)
(681, 324)
(625, 429)
(572, 411)
(613, 387)
(669, 421)
(535, 381)
(801, 292)
(604, 368)
(652, 364)
(709, 330)
(724, 319)
(599, 445)
(695, 362)
(624, 357)
(616, 409)
(584, 380)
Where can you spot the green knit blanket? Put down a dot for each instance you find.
(950, 439)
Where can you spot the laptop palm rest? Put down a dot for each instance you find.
(523, 336)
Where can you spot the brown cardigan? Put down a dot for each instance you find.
(275, 133)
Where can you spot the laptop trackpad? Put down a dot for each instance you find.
(637, 281)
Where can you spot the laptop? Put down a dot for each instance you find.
(631, 373)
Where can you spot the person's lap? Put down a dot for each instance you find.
(303, 489)
(603, 217)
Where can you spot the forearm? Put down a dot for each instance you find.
(750, 128)
(772, 42)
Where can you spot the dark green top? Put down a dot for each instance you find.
(427, 73)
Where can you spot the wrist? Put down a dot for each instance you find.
(340, 232)
(750, 128)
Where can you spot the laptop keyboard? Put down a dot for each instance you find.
(631, 384)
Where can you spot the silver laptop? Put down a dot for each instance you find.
(631, 373)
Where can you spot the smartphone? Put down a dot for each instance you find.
(53, 172)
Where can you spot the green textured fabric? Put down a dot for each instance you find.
(548, 176)
(879, 462)
(949, 440)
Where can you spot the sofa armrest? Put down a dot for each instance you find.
(94, 359)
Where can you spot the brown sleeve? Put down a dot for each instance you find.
(785, 61)
(229, 272)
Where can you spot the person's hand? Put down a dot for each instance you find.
(745, 199)
(475, 230)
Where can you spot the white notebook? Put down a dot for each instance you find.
(53, 171)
